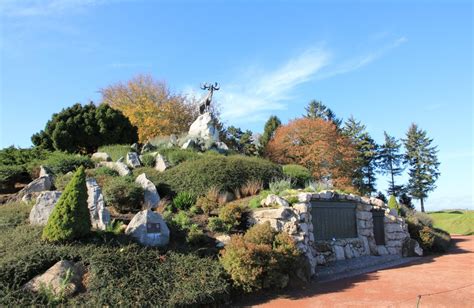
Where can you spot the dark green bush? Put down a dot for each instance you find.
(123, 194)
(13, 156)
(207, 204)
(215, 224)
(227, 173)
(430, 239)
(184, 200)
(60, 162)
(9, 175)
(262, 259)
(299, 175)
(70, 218)
(102, 171)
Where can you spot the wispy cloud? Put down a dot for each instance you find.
(262, 92)
(29, 8)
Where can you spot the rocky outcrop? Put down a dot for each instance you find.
(132, 160)
(63, 278)
(161, 163)
(101, 156)
(274, 200)
(149, 229)
(100, 216)
(38, 185)
(43, 207)
(151, 195)
(203, 135)
(120, 167)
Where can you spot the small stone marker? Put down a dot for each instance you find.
(149, 229)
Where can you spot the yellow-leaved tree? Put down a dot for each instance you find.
(151, 107)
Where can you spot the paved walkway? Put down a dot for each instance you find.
(443, 281)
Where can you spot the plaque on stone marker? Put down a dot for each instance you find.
(152, 227)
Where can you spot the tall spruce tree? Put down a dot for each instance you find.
(317, 110)
(367, 159)
(391, 162)
(269, 130)
(423, 163)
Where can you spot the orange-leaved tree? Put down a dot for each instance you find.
(151, 107)
(318, 145)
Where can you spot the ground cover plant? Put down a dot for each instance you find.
(115, 151)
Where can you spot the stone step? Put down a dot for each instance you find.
(357, 266)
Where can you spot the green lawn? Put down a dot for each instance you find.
(454, 221)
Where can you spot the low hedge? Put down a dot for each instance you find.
(123, 194)
(299, 175)
(225, 172)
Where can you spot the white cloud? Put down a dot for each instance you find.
(260, 93)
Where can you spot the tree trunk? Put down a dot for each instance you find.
(422, 205)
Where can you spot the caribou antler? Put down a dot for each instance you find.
(216, 86)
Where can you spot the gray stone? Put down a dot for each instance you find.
(151, 195)
(134, 147)
(272, 200)
(38, 185)
(161, 163)
(121, 159)
(364, 215)
(149, 229)
(147, 147)
(120, 167)
(377, 202)
(53, 279)
(43, 207)
(100, 216)
(326, 194)
(222, 240)
(411, 248)
(101, 156)
(348, 252)
(221, 146)
(189, 144)
(45, 171)
(393, 227)
(339, 252)
(381, 250)
(278, 213)
(304, 197)
(132, 160)
(204, 127)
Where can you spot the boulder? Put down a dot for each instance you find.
(43, 207)
(281, 213)
(147, 147)
(204, 127)
(161, 163)
(120, 167)
(149, 229)
(63, 278)
(132, 160)
(38, 185)
(222, 240)
(100, 216)
(189, 144)
(272, 200)
(101, 156)
(45, 171)
(151, 195)
(221, 146)
(134, 147)
(411, 248)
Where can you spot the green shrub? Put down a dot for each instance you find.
(70, 218)
(263, 259)
(182, 220)
(231, 216)
(254, 203)
(10, 175)
(279, 186)
(60, 162)
(430, 239)
(298, 175)
(115, 151)
(184, 200)
(195, 235)
(148, 160)
(175, 156)
(123, 194)
(61, 181)
(215, 224)
(151, 173)
(227, 173)
(206, 204)
(424, 219)
(102, 171)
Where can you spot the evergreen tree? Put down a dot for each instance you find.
(269, 130)
(381, 196)
(70, 218)
(406, 201)
(391, 162)
(240, 141)
(317, 110)
(422, 160)
(367, 158)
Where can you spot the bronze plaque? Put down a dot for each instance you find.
(153, 227)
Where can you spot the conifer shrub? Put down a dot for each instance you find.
(62, 163)
(147, 160)
(262, 258)
(206, 204)
(70, 218)
(123, 194)
(231, 216)
(299, 175)
(393, 204)
(430, 239)
(226, 172)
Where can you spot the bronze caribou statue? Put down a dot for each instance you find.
(205, 104)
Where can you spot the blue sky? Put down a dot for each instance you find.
(388, 64)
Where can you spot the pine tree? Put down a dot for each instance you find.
(367, 158)
(70, 218)
(422, 160)
(317, 110)
(391, 162)
(269, 130)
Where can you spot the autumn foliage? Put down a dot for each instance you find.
(317, 145)
(151, 107)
